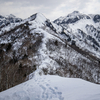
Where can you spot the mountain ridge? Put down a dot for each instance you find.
(75, 16)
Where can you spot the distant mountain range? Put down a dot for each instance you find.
(69, 47)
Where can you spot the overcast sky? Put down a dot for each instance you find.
(51, 9)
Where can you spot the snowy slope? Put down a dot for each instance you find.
(53, 88)
(6, 20)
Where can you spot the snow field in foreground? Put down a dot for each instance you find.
(53, 88)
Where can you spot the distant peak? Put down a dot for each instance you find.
(38, 16)
(11, 15)
(1, 16)
(32, 17)
(76, 12)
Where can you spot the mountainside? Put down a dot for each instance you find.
(10, 19)
(38, 46)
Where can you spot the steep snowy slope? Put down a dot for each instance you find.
(38, 46)
(53, 88)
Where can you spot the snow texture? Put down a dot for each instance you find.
(53, 88)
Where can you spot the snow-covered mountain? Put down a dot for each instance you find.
(76, 16)
(83, 30)
(6, 20)
(53, 88)
(38, 46)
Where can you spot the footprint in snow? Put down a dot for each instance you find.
(25, 98)
(15, 96)
(56, 88)
(49, 93)
(7, 98)
(47, 84)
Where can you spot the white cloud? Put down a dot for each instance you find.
(92, 7)
(8, 3)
